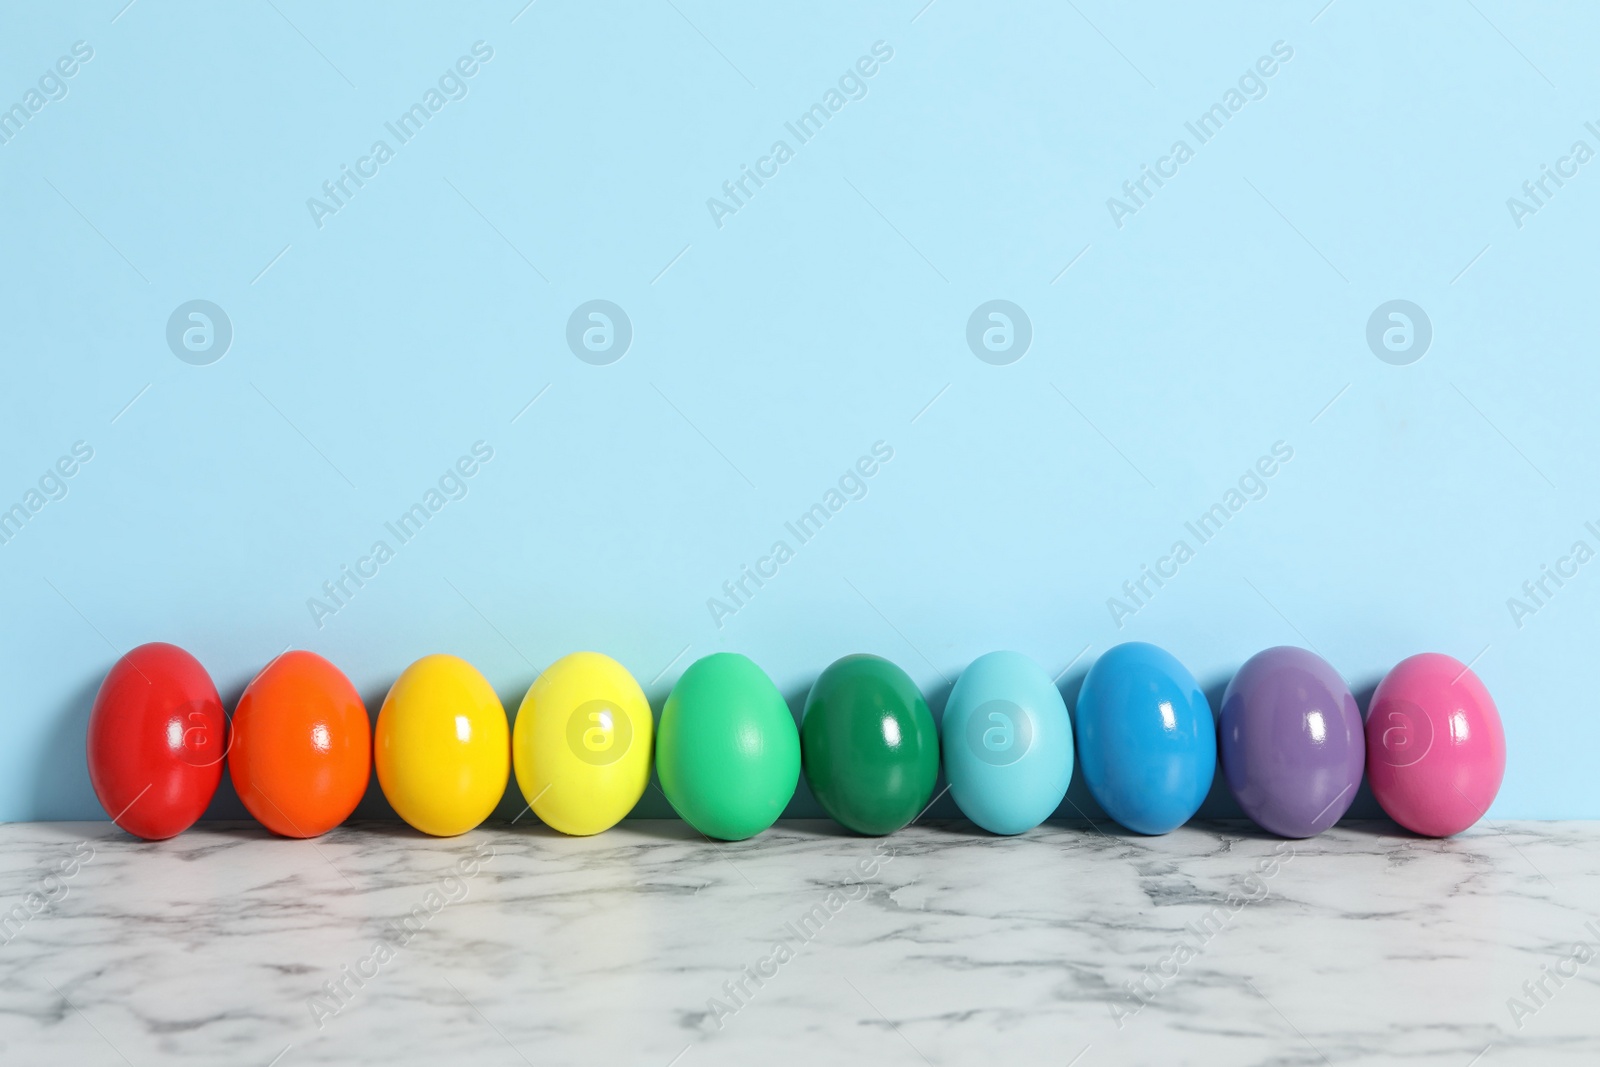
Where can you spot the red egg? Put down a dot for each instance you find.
(1436, 751)
(157, 738)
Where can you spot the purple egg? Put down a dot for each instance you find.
(1292, 743)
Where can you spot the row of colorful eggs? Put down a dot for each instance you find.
(1290, 739)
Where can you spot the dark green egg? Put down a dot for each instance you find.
(868, 745)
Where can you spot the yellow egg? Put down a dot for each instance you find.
(581, 745)
(441, 746)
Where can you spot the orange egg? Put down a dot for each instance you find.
(302, 746)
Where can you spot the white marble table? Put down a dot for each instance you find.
(940, 944)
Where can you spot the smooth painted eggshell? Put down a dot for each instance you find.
(581, 744)
(1292, 744)
(302, 746)
(442, 746)
(1007, 743)
(1146, 740)
(868, 744)
(727, 751)
(157, 739)
(1436, 751)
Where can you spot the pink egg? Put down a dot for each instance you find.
(1436, 751)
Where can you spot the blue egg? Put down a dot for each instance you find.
(1146, 738)
(1007, 743)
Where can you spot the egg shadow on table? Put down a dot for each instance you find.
(943, 807)
(1241, 827)
(61, 787)
(243, 829)
(1362, 690)
(654, 816)
(1219, 804)
(225, 804)
(491, 829)
(1365, 805)
(1079, 808)
(673, 829)
(1365, 815)
(963, 827)
(374, 805)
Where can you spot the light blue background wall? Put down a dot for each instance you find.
(1227, 314)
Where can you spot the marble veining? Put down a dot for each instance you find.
(941, 944)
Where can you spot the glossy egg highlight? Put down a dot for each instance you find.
(1293, 748)
(1146, 740)
(1006, 739)
(157, 740)
(869, 748)
(302, 746)
(442, 747)
(1436, 749)
(581, 746)
(727, 752)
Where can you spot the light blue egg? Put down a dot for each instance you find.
(1146, 738)
(1007, 743)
